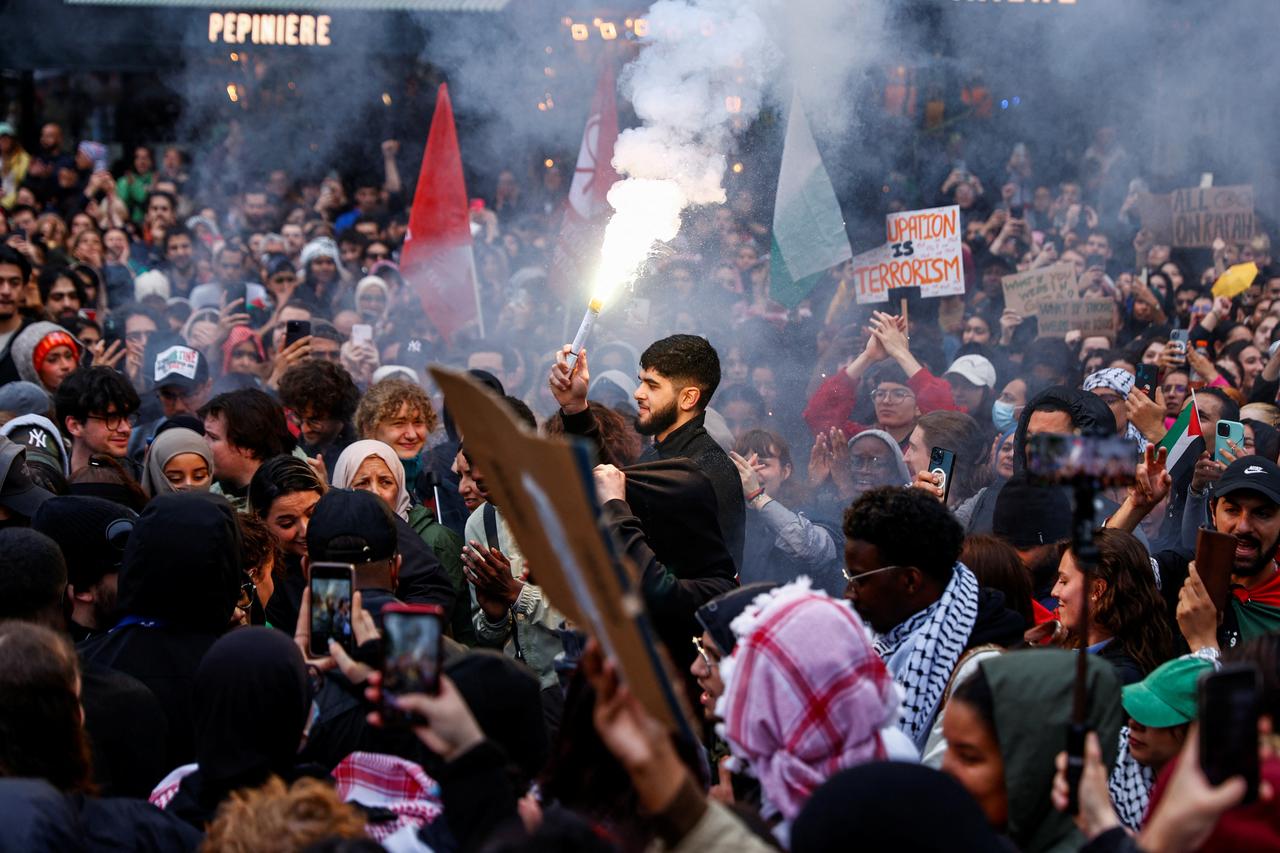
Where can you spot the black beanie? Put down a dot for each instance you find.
(505, 698)
(1026, 515)
(717, 614)
(79, 525)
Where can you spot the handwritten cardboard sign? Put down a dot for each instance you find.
(1202, 215)
(1089, 316)
(922, 249)
(541, 488)
(1025, 291)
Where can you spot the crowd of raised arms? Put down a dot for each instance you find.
(870, 600)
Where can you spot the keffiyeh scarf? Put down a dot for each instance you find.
(922, 652)
(1130, 786)
(1121, 381)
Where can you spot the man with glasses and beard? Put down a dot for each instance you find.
(678, 376)
(1245, 504)
(91, 533)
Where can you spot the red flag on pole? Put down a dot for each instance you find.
(437, 260)
(587, 208)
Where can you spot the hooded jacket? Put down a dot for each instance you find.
(1089, 415)
(177, 590)
(1032, 698)
(41, 438)
(24, 347)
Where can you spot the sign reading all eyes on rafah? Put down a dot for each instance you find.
(1202, 215)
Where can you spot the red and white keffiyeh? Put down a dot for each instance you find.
(806, 695)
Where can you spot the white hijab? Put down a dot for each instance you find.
(355, 454)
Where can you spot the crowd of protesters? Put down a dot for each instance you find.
(208, 388)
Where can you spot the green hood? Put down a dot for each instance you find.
(1032, 692)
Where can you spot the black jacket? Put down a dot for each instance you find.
(693, 442)
(178, 588)
(8, 369)
(127, 731)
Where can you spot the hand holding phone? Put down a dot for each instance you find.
(362, 333)
(1147, 379)
(942, 463)
(1228, 433)
(296, 330)
(414, 654)
(331, 588)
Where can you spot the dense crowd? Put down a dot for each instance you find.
(212, 390)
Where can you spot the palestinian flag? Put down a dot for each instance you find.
(1185, 443)
(808, 227)
(1258, 609)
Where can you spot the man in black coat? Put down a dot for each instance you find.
(678, 376)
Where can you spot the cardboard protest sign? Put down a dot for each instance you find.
(922, 249)
(542, 490)
(1090, 316)
(1025, 291)
(1202, 215)
(1156, 215)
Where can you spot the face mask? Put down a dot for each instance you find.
(1002, 415)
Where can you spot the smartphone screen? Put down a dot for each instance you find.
(413, 652)
(295, 330)
(1229, 726)
(1057, 459)
(941, 463)
(330, 606)
(361, 333)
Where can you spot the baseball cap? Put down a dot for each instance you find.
(1027, 515)
(1250, 474)
(91, 532)
(974, 368)
(17, 491)
(181, 366)
(1166, 697)
(351, 527)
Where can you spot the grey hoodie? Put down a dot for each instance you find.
(41, 438)
(24, 347)
(903, 476)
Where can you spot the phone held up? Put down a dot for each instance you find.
(414, 653)
(295, 330)
(1147, 377)
(942, 463)
(1228, 433)
(1229, 707)
(331, 587)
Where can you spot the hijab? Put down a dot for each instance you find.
(168, 444)
(356, 453)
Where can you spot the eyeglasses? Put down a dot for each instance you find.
(115, 421)
(702, 653)
(1111, 399)
(1171, 388)
(377, 256)
(859, 579)
(866, 463)
(896, 395)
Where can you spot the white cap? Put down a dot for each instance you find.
(975, 369)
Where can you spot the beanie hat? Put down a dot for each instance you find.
(317, 247)
(84, 529)
(33, 344)
(151, 283)
(1027, 515)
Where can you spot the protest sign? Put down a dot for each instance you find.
(541, 487)
(922, 249)
(1089, 316)
(1202, 215)
(1025, 291)
(1156, 214)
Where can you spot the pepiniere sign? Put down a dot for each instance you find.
(252, 28)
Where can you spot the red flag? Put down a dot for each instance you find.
(587, 208)
(437, 260)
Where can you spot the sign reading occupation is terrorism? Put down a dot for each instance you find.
(922, 249)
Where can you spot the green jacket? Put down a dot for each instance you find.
(447, 547)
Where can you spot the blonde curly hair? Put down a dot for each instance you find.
(384, 399)
(279, 819)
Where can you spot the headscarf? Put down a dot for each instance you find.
(1121, 381)
(237, 336)
(1031, 695)
(168, 444)
(805, 695)
(355, 454)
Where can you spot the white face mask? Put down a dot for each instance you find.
(1003, 415)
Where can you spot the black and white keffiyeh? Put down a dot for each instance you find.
(1130, 786)
(922, 652)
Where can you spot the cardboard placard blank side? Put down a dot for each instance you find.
(527, 475)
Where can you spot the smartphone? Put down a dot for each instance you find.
(1215, 560)
(1016, 211)
(942, 461)
(1180, 338)
(1147, 377)
(1228, 431)
(237, 291)
(362, 333)
(331, 586)
(412, 635)
(1055, 459)
(1229, 700)
(295, 330)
